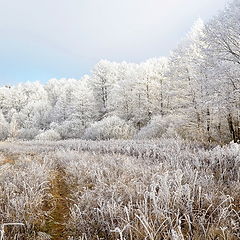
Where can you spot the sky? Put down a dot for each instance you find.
(43, 39)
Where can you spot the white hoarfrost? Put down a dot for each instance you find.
(49, 135)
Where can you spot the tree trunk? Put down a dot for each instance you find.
(231, 127)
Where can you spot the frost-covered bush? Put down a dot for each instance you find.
(155, 129)
(69, 129)
(160, 126)
(109, 128)
(49, 135)
(28, 133)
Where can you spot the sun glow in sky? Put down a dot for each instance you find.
(65, 38)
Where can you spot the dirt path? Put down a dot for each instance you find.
(55, 224)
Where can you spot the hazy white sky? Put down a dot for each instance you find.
(41, 39)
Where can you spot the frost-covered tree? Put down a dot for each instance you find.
(102, 80)
(14, 126)
(121, 98)
(83, 107)
(222, 37)
(140, 91)
(4, 127)
(188, 77)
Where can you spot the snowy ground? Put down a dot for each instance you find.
(76, 189)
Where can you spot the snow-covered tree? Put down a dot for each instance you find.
(102, 80)
(14, 126)
(4, 127)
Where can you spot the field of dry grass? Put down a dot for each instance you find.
(74, 190)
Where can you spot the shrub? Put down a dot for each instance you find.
(160, 126)
(28, 133)
(110, 128)
(69, 129)
(49, 135)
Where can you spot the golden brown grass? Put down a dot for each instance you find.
(55, 224)
(172, 192)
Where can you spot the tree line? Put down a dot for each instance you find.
(193, 93)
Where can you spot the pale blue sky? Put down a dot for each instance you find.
(42, 39)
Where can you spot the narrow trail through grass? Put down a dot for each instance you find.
(55, 222)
